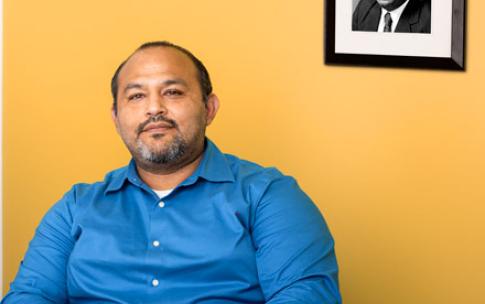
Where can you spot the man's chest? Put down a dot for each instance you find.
(173, 246)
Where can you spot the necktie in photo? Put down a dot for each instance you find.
(388, 23)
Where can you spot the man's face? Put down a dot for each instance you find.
(390, 4)
(161, 115)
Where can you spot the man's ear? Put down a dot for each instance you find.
(212, 106)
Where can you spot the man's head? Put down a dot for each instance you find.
(390, 5)
(162, 103)
(203, 74)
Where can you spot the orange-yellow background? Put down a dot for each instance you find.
(394, 158)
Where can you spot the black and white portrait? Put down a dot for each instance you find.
(407, 33)
(392, 16)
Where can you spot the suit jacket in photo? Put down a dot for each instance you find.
(416, 17)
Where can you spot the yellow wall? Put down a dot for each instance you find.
(394, 158)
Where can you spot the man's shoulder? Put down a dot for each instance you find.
(425, 6)
(366, 16)
(365, 5)
(420, 4)
(111, 178)
(416, 17)
(246, 171)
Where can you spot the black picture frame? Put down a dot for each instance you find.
(455, 62)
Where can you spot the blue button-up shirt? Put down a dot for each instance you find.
(232, 232)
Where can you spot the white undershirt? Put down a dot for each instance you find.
(395, 16)
(162, 193)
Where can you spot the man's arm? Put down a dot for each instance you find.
(295, 251)
(41, 278)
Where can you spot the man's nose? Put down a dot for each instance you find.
(156, 105)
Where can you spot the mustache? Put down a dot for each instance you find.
(156, 118)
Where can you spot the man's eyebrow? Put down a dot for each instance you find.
(175, 81)
(132, 86)
(167, 82)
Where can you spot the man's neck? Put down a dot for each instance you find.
(168, 177)
(394, 5)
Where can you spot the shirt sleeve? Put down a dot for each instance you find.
(41, 278)
(294, 248)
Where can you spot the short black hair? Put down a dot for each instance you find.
(203, 74)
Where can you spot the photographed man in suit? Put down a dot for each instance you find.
(401, 16)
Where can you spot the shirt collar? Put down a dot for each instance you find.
(213, 167)
(117, 178)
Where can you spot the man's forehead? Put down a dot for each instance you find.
(159, 56)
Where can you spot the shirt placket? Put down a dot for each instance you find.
(156, 245)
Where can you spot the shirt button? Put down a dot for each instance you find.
(156, 243)
(155, 282)
(161, 204)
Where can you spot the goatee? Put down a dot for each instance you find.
(172, 153)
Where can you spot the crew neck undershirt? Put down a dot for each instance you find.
(162, 193)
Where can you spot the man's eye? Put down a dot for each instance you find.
(136, 96)
(173, 92)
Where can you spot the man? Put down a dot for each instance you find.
(183, 222)
(404, 16)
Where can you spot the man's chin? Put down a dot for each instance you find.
(153, 135)
(155, 141)
(158, 136)
(391, 5)
(156, 156)
(385, 3)
(163, 150)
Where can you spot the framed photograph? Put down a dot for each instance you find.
(396, 33)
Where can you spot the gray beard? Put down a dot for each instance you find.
(170, 155)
